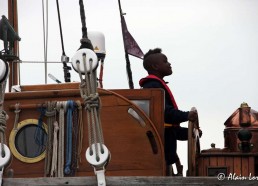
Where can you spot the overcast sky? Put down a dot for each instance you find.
(212, 45)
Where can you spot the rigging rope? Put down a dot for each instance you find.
(37, 62)
(97, 153)
(85, 42)
(45, 35)
(3, 114)
(91, 99)
(64, 58)
(60, 27)
(2, 93)
(101, 74)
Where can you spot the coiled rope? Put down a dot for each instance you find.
(51, 118)
(39, 135)
(61, 108)
(53, 170)
(80, 131)
(75, 140)
(69, 126)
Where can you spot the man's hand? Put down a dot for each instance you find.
(192, 116)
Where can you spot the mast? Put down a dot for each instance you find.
(14, 66)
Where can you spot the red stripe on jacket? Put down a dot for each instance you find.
(142, 81)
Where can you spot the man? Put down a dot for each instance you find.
(157, 66)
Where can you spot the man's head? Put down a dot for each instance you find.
(156, 63)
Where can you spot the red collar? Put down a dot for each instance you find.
(143, 80)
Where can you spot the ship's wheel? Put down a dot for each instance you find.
(193, 145)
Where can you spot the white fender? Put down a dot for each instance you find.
(4, 160)
(4, 69)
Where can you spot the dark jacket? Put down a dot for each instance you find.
(172, 114)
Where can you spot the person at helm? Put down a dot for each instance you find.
(157, 66)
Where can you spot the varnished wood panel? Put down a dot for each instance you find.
(245, 166)
(156, 98)
(221, 161)
(251, 163)
(229, 164)
(131, 151)
(236, 163)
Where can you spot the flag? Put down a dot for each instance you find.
(131, 47)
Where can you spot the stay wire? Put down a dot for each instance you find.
(45, 35)
(60, 27)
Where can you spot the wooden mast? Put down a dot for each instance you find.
(14, 66)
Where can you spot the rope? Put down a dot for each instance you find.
(80, 130)
(61, 107)
(37, 62)
(45, 35)
(39, 136)
(75, 140)
(51, 118)
(60, 27)
(82, 13)
(2, 93)
(3, 118)
(1, 96)
(55, 152)
(88, 90)
(70, 108)
(101, 74)
(64, 58)
(17, 115)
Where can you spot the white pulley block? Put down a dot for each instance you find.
(4, 69)
(4, 160)
(103, 157)
(91, 57)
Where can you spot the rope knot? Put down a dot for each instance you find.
(91, 101)
(17, 111)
